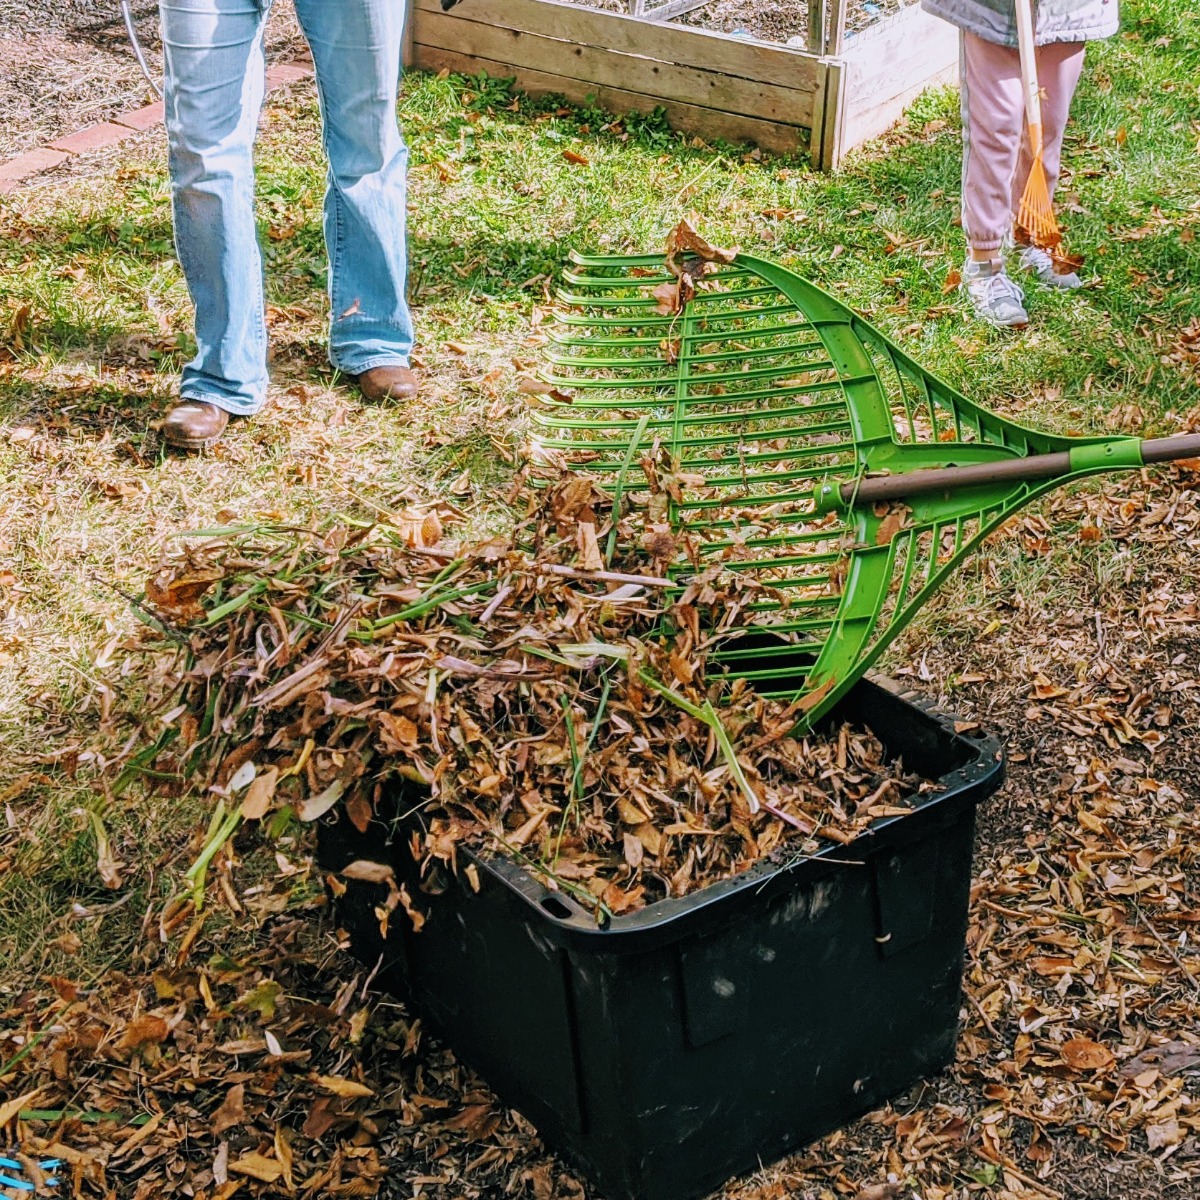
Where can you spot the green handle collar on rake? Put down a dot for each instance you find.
(825, 464)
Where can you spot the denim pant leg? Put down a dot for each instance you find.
(214, 82)
(356, 47)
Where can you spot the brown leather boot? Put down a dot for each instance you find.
(387, 383)
(193, 424)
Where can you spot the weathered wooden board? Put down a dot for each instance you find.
(705, 122)
(696, 86)
(888, 66)
(741, 58)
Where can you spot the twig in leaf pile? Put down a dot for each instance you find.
(154, 620)
(494, 603)
(603, 912)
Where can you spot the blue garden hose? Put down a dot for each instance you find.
(17, 1183)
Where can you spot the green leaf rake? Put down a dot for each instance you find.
(819, 458)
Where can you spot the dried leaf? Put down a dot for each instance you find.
(146, 1030)
(347, 1089)
(1082, 1054)
(257, 801)
(257, 1166)
(232, 1111)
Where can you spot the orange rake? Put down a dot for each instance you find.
(1035, 215)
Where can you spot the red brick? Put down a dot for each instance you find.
(141, 118)
(30, 164)
(288, 73)
(94, 137)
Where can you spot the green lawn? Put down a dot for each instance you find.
(94, 324)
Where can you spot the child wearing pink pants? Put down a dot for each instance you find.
(996, 155)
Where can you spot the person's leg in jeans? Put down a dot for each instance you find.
(993, 110)
(214, 83)
(356, 47)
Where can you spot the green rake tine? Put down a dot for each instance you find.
(608, 303)
(770, 414)
(712, 441)
(619, 488)
(584, 401)
(665, 320)
(742, 355)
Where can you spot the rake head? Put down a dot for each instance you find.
(775, 403)
(1035, 214)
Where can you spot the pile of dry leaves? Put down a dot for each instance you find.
(556, 709)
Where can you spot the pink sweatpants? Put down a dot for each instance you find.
(996, 156)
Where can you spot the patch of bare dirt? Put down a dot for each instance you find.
(67, 66)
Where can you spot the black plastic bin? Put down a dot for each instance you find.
(705, 1036)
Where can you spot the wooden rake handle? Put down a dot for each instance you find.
(1033, 468)
(1027, 45)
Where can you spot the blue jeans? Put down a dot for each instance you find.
(215, 80)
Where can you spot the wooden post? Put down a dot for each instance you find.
(835, 39)
(829, 119)
(817, 14)
(406, 46)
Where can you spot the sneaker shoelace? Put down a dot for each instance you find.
(1001, 287)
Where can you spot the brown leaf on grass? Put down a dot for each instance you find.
(881, 1191)
(891, 524)
(420, 528)
(146, 1030)
(952, 281)
(580, 160)
(810, 700)
(10, 1109)
(180, 594)
(324, 1115)
(590, 558)
(232, 1111)
(669, 298)
(1082, 1054)
(1170, 1058)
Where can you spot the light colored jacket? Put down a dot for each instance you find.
(1057, 20)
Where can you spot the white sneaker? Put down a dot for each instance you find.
(1040, 265)
(994, 295)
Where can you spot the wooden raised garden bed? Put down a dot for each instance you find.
(824, 98)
